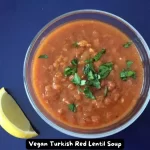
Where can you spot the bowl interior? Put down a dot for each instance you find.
(121, 25)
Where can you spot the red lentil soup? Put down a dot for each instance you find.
(87, 74)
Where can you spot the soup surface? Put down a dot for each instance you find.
(87, 74)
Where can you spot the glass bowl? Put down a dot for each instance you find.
(119, 23)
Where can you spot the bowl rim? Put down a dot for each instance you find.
(52, 124)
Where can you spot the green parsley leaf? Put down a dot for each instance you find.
(129, 63)
(43, 56)
(95, 83)
(97, 76)
(74, 62)
(91, 60)
(70, 71)
(105, 91)
(96, 57)
(93, 78)
(90, 75)
(72, 107)
(127, 45)
(99, 55)
(75, 44)
(105, 69)
(88, 93)
(87, 68)
(76, 80)
(132, 74)
(83, 82)
(125, 74)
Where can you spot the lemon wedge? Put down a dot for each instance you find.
(12, 119)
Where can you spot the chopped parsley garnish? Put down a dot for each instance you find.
(72, 107)
(88, 93)
(94, 80)
(105, 69)
(76, 80)
(99, 55)
(125, 74)
(87, 68)
(74, 62)
(90, 75)
(129, 63)
(96, 57)
(43, 56)
(83, 82)
(70, 71)
(75, 44)
(97, 76)
(89, 60)
(89, 71)
(95, 83)
(105, 91)
(127, 45)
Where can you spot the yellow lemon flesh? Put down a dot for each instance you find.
(12, 119)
